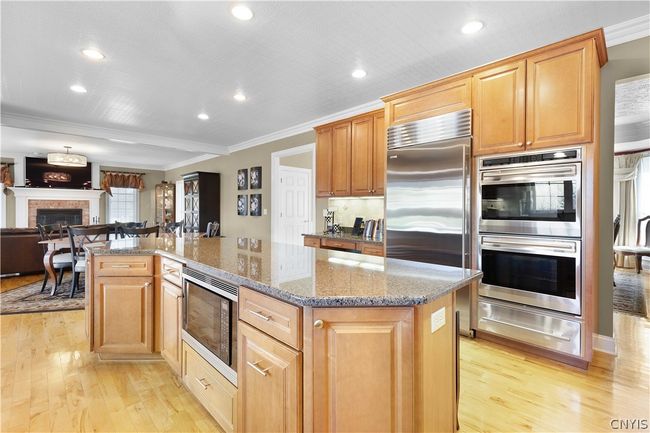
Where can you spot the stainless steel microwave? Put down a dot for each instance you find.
(532, 193)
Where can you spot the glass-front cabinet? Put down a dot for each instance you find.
(165, 203)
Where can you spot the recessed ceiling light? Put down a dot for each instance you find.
(359, 73)
(242, 12)
(239, 97)
(93, 54)
(78, 88)
(203, 116)
(117, 140)
(472, 27)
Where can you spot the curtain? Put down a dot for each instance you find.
(115, 179)
(625, 202)
(5, 175)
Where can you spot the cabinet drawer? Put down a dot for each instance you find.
(312, 242)
(276, 318)
(214, 391)
(123, 266)
(372, 249)
(334, 243)
(171, 271)
(530, 326)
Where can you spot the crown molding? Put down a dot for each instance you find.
(190, 161)
(307, 126)
(62, 127)
(627, 31)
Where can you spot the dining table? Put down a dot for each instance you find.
(54, 247)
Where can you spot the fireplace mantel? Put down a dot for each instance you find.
(23, 195)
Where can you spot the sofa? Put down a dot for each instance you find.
(20, 252)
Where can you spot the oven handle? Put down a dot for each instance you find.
(526, 328)
(570, 248)
(566, 171)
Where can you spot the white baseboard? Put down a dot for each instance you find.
(604, 343)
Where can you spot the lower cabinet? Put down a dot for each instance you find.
(269, 376)
(123, 316)
(214, 391)
(171, 318)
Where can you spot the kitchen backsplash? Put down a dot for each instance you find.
(347, 209)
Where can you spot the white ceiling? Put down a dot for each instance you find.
(168, 61)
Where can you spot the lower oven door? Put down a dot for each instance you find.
(540, 272)
(210, 326)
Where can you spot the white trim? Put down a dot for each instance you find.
(627, 31)
(604, 343)
(275, 183)
(3, 206)
(307, 126)
(23, 195)
(22, 121)
(190, 161)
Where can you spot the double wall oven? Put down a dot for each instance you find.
(210, 320)
(530, 248)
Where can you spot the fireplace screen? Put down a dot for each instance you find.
(59, 216)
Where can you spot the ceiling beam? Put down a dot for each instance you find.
(70, 128)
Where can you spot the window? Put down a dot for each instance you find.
(123, 205)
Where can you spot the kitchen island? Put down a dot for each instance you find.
(326, 340)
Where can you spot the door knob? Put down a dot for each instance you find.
(318, 324)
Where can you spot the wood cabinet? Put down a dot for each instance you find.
(269, 377)
(171, 319)
(559, 96)
(543, 101)
(499, 103)
(165, 203)
(351, 157)
(123, 316)
(362, 369)
(202, 200)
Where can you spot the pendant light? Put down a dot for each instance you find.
(67, 159)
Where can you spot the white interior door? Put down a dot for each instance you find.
(295, 204)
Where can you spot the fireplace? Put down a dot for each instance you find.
(59, 216)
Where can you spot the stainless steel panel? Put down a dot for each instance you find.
(532, 326)
(541, 246)
(438, 128)
(509, 160)
(426, 205)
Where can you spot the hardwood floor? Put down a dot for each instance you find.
(50, 382)
(14, 282)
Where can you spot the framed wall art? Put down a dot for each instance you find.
(256, 177)
(242, 179)
(256, 205)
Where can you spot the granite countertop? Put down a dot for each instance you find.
(344, 237)
(304, 275)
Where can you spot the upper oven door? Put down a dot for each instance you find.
(533, 271)
(536, 200)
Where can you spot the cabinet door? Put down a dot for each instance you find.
(324, 162)
(171, 321)
(123, 315)
(499, 103)
(341, 143)
(559, 96)
(379, 154)
(269, 378)
(88, 300)
(362, 370)
(361, 156)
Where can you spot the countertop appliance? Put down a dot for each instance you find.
(536, 193)
(210, 320)
(428, 195)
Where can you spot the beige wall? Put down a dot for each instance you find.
(625, 60)
(147, 195)
(231, 223)
(301, 160)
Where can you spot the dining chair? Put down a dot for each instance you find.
(175, 229)
(136, 232)
(617, 228)
(80, 236)
(60, 261)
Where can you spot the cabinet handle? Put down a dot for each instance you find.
(318, 324)
(529, 143)
(121, 266)
(147, 285)
(170, 271)
(520, 144)
(260, 315)
(202, 382)
(254, 366)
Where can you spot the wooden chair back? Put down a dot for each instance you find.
(138, 232)
(647, 231)
(175, 229)
(82, 235)
(49, 232)
(617, 226)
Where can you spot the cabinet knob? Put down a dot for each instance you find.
(318, 324)
(520, 144)
(529, 143)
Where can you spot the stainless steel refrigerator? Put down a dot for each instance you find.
(428, 195)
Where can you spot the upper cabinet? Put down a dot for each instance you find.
(560, 96)
(351, 157)
(545, 100)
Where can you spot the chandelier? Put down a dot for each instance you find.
(67, 159)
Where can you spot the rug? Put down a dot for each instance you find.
(29, 299)
(629, 295)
